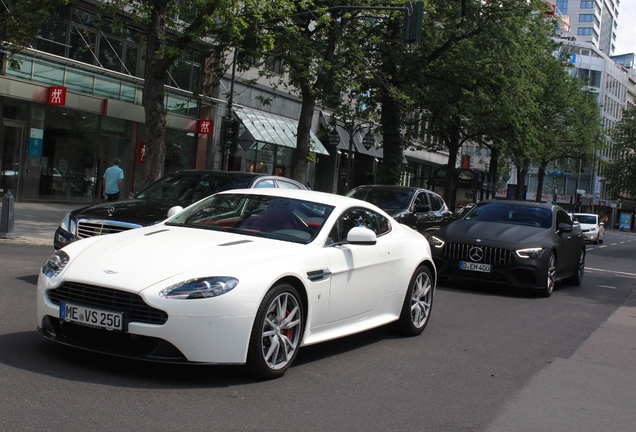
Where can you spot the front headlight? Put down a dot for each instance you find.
(436, 242)
(55, 264)
(531, 252)
(68, 224)
(200, 288)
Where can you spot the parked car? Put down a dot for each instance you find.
(244, 276)
(150, 205)
(591, 225)
(421, 209)
(517, 243)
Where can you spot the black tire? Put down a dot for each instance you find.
(548, 282)
(416, 310)
(577, 278)
(278, 324)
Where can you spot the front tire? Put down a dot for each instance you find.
(418, 302)
(548, 282)
(277, 333)
(577, 278)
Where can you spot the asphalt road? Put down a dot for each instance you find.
(490, 359)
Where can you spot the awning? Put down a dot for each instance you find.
(273, 129)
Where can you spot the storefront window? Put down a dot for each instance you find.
(180, 151)
(67, 170)
(260, 158)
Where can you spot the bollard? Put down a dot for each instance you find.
(6, 219)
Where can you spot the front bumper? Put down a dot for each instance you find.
(188, 338)
(529, 273)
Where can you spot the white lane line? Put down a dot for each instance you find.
(622, 242)
(606, 286)
(616, 273)
(613, 244)
(604, 246)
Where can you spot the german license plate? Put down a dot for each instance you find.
(108, 320)
(484, 268)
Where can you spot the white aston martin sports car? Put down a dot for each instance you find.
(241, 277)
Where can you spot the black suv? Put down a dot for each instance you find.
(150, 206)
(418, 208)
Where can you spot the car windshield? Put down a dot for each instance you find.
(384, 198)
(586, 219)
(257, 215)
(518, 214)
(189, 187)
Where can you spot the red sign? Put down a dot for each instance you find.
(142, 152)
(57, 95)
(206, 127)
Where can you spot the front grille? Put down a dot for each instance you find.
(90, 295)
(491, 255)
(92, 228)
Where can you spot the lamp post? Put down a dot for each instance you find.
(352, 129)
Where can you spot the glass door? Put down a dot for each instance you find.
(12, 138)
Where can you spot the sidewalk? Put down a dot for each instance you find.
(35, 223)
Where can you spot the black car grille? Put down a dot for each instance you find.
(108, 298)
(491, 255)
(92, 228)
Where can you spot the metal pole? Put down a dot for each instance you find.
(230, 102)
(351, 133)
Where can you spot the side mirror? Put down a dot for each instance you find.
(174, 210)
(423, 208)
(564, 228)
(361, 236)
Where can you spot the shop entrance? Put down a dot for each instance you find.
(12, 157)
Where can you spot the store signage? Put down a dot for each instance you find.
(142, 152)
(57, 95)
(206, 127)
(35, 142)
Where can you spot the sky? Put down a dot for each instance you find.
(626, 31)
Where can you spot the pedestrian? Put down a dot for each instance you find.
(605, 224)
(113, 180)
(308, 186)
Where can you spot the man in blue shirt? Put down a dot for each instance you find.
(113, 180)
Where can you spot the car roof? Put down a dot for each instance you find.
(307, 195)
(391, 187)
(521, 202)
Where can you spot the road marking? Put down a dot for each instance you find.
(605, 286)
(604, 246)
(624, 274)
(622, 242)
(613, 244)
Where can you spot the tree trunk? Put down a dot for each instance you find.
(390, 169)
(303, 139)
(155, 114)
(540, 180)
(521, 180)
(453, 145)
(493, 169)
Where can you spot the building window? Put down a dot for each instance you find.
(584, 31)
(563, 6)
(587, 5)
(586, 18)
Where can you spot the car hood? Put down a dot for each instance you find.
(137, 211)
(137, 259)
(463, 231)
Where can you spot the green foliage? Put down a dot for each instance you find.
(621, 172)
(22, 21)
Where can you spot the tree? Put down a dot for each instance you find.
(621, 172)
(172, 27)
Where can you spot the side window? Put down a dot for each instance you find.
(286, 185)
(562, 217)
(355, 218)
(436, 202)
(265, 184)
(420, 199)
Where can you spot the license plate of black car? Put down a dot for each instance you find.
(90, 316)
(484, 268)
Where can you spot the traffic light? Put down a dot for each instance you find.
(579, 199)
(229, 140)
(412, 24)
